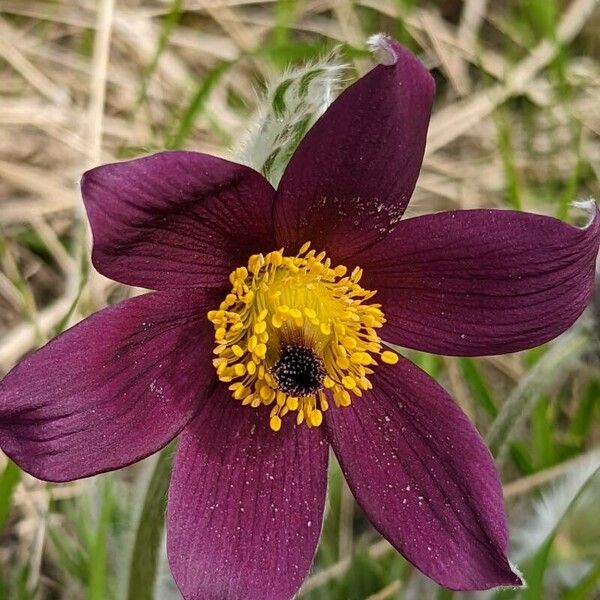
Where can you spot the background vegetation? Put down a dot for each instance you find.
(516, 124)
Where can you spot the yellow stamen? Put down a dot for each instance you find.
(391, 358)
(287, 313)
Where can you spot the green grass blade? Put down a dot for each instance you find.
(477, 386)
(197, 103)
(8, 482)
(513, 185)
(151, 499)
(97, 586)
(168, 25)
(542, 432)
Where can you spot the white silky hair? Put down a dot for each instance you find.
(289, 107)
(554, 505)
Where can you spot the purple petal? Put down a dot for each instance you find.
(176, 219)
(110, 391)
(477, 282)
(422, 475)
(352, 176)
(245, 504)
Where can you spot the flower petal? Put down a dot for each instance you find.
(111, 390)
(478, 282)
(349, 181)
(422, 475)
(245, 504)
(176, 219)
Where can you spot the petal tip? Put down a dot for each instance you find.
(381, 46)
(516, 578)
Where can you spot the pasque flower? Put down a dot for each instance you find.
(263, 345)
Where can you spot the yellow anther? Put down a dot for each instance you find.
(237, 350)
(260, 327)
(276, 258)
(266, 393)
(292, 403)
(361, 358)
(252, 343)
(304, 248)
(310, 313)
(240, 393)
(390, 358)
(349, 382)
(295, 314)
(316, 417)
(343, 362)
(349, 342)
(275, 423)
(239, 369)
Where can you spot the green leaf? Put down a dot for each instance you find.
(151, 492)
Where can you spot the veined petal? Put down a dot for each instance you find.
(111, 390)
(349, 181)
(476, 282)
(422, 475)
(245, 504)
(176, 219)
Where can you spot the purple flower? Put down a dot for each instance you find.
(290, 360)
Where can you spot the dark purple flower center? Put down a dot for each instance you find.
(299, 371)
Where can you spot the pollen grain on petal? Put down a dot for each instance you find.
(296, 333)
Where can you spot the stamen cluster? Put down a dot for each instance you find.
(295, 331)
